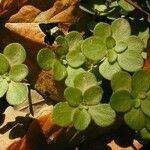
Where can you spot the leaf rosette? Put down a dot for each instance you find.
(131, 96)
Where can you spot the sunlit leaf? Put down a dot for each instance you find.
(145, 106)
(93, 95)
(15, 53)
(3, 86)
(102, 114)
(18, 72)
(112, 56)
(81, 119)
(46, 58)
(121, 29)
(121, 80)
(121, 101)
(4, 64)
(121, 47)
(73, 96)
(63, 114)
(17, 93)
(94, 48)
(125, 5)
(135, 119)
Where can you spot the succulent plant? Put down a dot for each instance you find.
(12, 73)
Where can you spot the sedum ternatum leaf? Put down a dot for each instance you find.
(3, 86)
(81, 119)
(73, 96)
(135, 119)
(145, 134)
(63, 114)
(94, 48)
(17, 93)
(121, 47)
(102, 114)
(4, 64)
(103, 30)
(112, 56)
(18, 72)
(121, 81)
(145, 107)
(84, 81)
(15, 53)
(73, 38)
(93, 95)
(75, 58)
(59, 70)
(110, 42)
(121, 29)
(46, 58)
(125, 5)
(121, 101)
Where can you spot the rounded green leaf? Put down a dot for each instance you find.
(141, 81)
(135, 44)
(15, 53)
(18, 72)
(59, 70)
(110, 42)
(73, 38)
(72, 73)
(73, 96)
(103, 30)
(3, 86)
(81, 119)
(94, 48)
(145, 106)
(93, 95)
(4, 64)
(107, 70)
(121, 101)
(84, 81)
(112, 56)
(75, 58)
(145, 134)
(17, 93)
(121, 81)
(135, 119)
(102, 114)
(63, 45)
(121, 47)
(130, 61)
(125, 5)
(148, 124)
(121, 29)
(46, 58)
(63, 114)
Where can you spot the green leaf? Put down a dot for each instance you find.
(72, 73)
(4, 64)
(121, 101)
(84, 81)
(63, 114)
(17, 93)
(81, 119)
(130, 61)
(135, 44)
(148, 124)
(63, 45)
(18, 72)
(110, 42)
(93, 95)
(112, 56)
(75, 58)
(46, 58)
(102, 114)
(73, 38)
(121, 47)
(4, 86)
(135, 119)
(145, 106)
(107, 70)
(103, 30)
(125, 5)
(59, 70)
(121, 81)
(145, 134)
(15, 53)
(94, 48)
(121, 29)
(73, 96)
(141, 81)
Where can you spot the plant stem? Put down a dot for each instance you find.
(30, 102)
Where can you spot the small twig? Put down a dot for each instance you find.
(30, 102)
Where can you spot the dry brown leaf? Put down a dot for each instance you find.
(147, 62)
